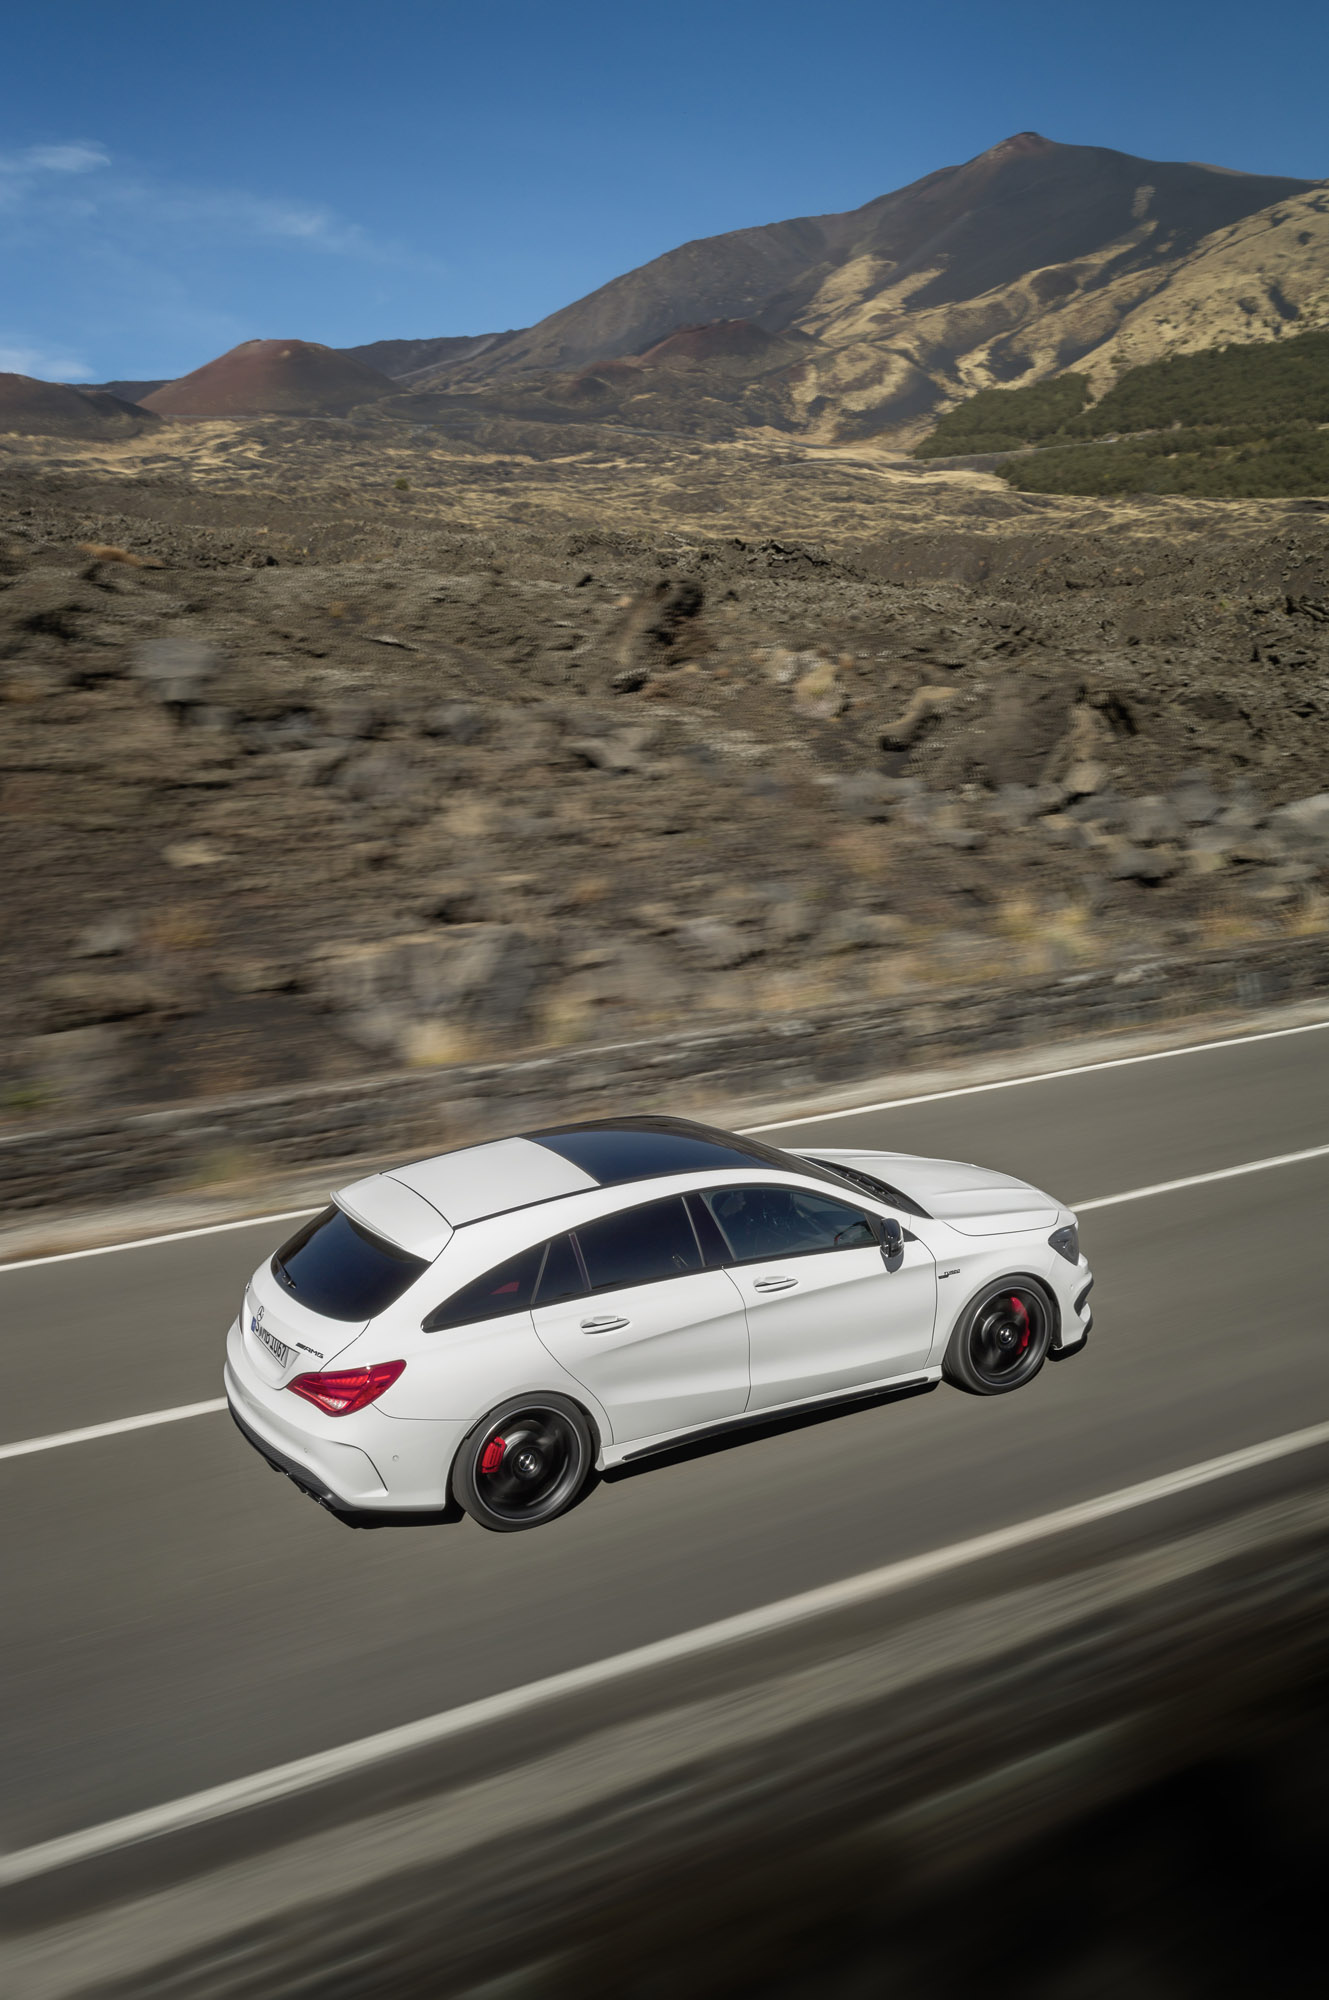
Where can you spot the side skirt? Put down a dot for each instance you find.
(613, 1455)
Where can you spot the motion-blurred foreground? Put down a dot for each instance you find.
(1094, 1764)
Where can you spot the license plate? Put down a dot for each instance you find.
(274, 1346)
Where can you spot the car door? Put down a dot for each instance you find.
(825, 1312)
(629, 1309)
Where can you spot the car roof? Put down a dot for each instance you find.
(473, 1183)
(485, 1180)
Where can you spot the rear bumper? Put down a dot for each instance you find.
(307, 1480)
(340, 1476)
(365, 1464)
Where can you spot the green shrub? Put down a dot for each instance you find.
(1275, 382)
(1005, 419)
(1239, 463)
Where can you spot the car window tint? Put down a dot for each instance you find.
(762, 1222)
(561, 1277)
(639, 1245)
(506, 1289)
(339, 1269)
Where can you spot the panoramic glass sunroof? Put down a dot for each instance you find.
(612, 1154)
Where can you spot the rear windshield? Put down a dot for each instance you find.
(335, 1267)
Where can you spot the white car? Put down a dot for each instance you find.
(490, 1326)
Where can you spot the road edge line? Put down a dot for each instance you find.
(1038, 1076)
(778, 1125)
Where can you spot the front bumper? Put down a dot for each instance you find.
(1077, 1324)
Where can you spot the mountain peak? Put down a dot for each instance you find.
(1028, 204)
(1020, 143)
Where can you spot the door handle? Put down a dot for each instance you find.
(606, 1323)
(773, 1284)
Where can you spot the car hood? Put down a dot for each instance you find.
(977, 1201)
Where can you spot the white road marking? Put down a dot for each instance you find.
(1202, 1180)
(1042, 1076)
(782, 1125)
(150, 1242)
(90, 1431)
(52, 1443)
(282, 1780)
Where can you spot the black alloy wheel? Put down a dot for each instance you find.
(526, 1463)
(1002, 1340)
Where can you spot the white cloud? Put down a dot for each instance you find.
(78, 156)
(36, 184)
(113, 260)
(70, 159)
(231, 212)
(48, 367)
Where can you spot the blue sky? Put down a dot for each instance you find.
(175, 178)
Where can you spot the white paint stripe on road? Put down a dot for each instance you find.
(26, 1445)
(1203, 1180)
(90, 1431)
(1041, 1076)
(782, 1125)
(283, 1780)
(150, 1242)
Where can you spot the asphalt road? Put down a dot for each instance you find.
(175, 1615)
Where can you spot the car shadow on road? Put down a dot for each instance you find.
(747, 1430)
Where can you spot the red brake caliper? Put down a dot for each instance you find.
(1021, 1312)
(493, 1454)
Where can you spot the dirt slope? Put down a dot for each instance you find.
(272, 378)
(54, 409)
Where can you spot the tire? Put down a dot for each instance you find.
(1002, 1338)
(524, 1464)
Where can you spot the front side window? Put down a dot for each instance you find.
(639, 1246)
(762, 1222)
(338, 1268)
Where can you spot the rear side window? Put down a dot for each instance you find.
(337, 1268)
(508, 1288)
(761, 1222)
(639, 1246)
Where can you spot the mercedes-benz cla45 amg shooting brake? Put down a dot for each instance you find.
(490, 1326)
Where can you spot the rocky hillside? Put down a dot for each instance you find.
(303, 775)
(1032, 258)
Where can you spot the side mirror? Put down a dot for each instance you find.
(892, 1241)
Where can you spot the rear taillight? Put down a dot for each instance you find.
(339, 1391)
